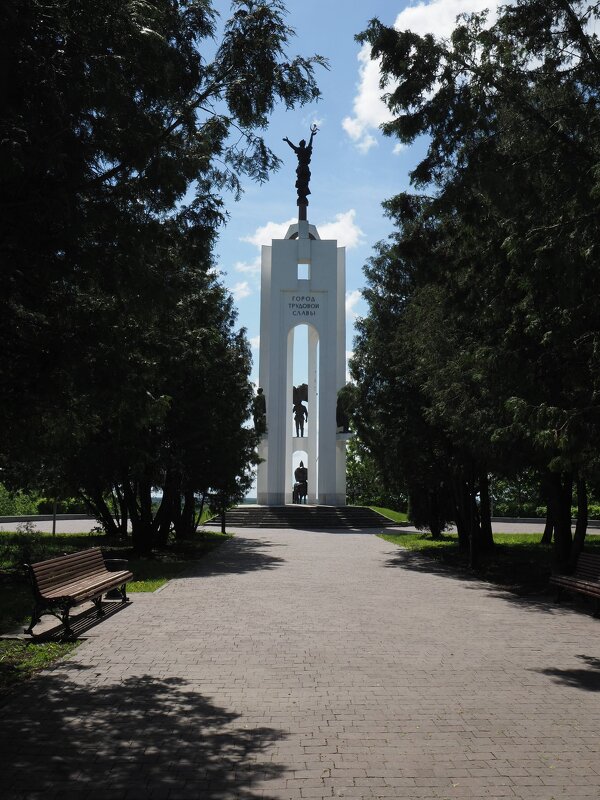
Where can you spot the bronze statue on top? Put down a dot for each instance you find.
(304, 153)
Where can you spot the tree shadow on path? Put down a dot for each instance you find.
(140, 738)
(540, 601)
(587, 679)
(238, 555)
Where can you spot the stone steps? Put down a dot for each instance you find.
(303, 517)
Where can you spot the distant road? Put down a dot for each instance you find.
(85, 525)
(44, 524)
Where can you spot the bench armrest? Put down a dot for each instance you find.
(116, 564)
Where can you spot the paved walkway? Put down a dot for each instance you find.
(297, 665)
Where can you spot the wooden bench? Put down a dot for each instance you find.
(584, 580)
(61, 583)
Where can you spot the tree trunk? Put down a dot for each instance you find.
(123, 513)
(147, 521)
(164, 517)
(582, 521)
(169, 510)
(485, 513)
(101, 511)
(473, 517)
(548, 529)
(434, 504)
(474, 530)
(560, 487)
(141, 535)
(460, 517)
(186, 526)
(198, 517)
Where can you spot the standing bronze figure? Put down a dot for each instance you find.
(259, 413)
(300, 414)
(303, 152)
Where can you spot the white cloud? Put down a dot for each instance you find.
(439, 17)
(248, 267)
(352, 300)
(399, 147)
(369, 112)
(255, 342)
(349, 354)
(272, 230)
(344, 229)
(240, 290)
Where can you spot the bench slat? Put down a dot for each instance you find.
(585, 579)
(83, 555)
(566, 581)
(65, 577)
(68, 562)
(84, 580)
(62, 569)
(78, 589)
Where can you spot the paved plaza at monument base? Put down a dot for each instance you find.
(298, 664)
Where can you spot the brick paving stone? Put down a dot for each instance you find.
(297, 664)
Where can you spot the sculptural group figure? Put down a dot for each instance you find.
(259, 413)
(300, 492)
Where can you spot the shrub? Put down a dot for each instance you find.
(16, 503)
(67, 505)
(25, 546)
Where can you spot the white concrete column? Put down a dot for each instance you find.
(327, 431)
(313, 410)
(289, 424)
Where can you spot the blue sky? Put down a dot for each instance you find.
(354, 168)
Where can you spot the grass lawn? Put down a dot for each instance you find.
(518, 563)
(397, 516)
(19, 660)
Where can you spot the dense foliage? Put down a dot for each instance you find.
(122, 370)
(479, 354)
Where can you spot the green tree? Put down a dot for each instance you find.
(118, 138)
(510, 230)
(412, 452)
(364, 483)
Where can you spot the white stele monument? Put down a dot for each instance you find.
(303, 282)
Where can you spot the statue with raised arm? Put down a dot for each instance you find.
(303, 152)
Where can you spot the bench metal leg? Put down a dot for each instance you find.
(98, 603)
(123, 592)
(35, 618)
(559, 592)
(64, 617)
